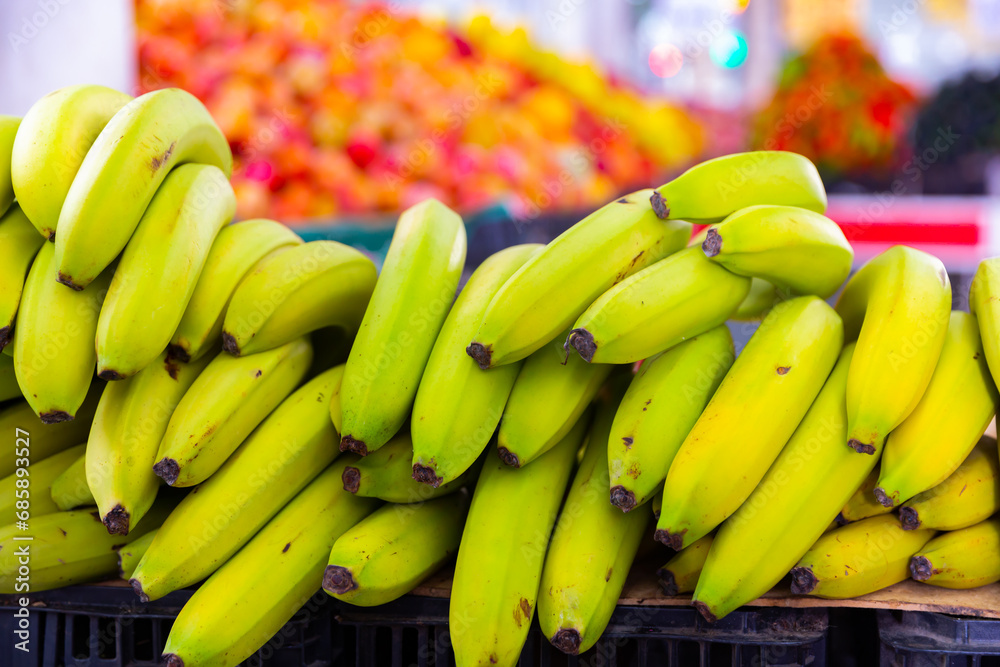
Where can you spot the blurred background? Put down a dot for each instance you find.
(345, 112)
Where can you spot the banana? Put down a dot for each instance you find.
(44, 440)
(984, 304)
(790, 247)
(131, 420)
(8, 379)
(250, 598)
(19, 244)
(897, 307)
(656, 504)
(752, 414)
(124, 167)
(663, 402)
(8, 131)
(790, 509)
(130, 554)
(235, 252)
(69, 490)
(650, 311)
(54, 137)
(386, 474)
(407, 309)
(552, 289)
(862, 504)
(211, 524)
(160, 267)
(222, 406)
(502, 552)
(549, 395)
(966, 558)
(391, 551)
(762, 297)
(591, 552)
(952, 415)
(66, 548)
(969, 495)
(858, 558)
(715, 189)
(54, 355)
(31, 492)
(295, 292)
(458, 406)
(680, 574)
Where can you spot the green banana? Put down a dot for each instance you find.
(131, 420)
(550, 393)
(295, 292)
(235, 252)
(54, 355)
(762, 297)
(790, 509)
(407, 309)
(19, 244)
(681, 573)
(44, 440)
(715, 189)
(650, 311)
(8, 131)
(897, 308)
(211, 524)
(54, 137)
(662, 403)
(69, 490)
(862, 504)
(858, 559)
(258, 590)
(124, 167)
(8, 379)
(752, 414)
(502, 552)
(160, 267)
(31, 492)
(969, 495)
(984, 304)
(952, 415)
(552, 289)
(227, 401)
(963, 559)
(391, 551)
(130, 554)
(458, 407)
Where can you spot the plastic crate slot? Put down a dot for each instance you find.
(78, 641)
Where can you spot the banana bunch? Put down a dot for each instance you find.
(32, 492)
(18, 246)
(45, 439)
(961, 559)
(69, 490)
(758, 405)
(8, 133)
(404, 316)
(863, 504)
(681, 573)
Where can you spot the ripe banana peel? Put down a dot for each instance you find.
(19, 244)
(69, 490)
(8, 132)
(962, 559)
(47, 439)
(32, 493)
(985, 305)
(680, 574)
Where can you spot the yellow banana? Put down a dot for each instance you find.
(966, 558)
(30, 492)
(391, 551)
(295, 292)
(985, 305)
(858, 558)
(19, 245)
(130, 554)
(969, 495)
(550, 393)
(54, 137)
(952, 415)
(762, 297)
(8, 131)
(131, 420)
(862, 504)
(250, 598)
(752, 414)
(680, 574)
(44, 440)
(662, 403)
(387, 474)
(502, 552)
(222, 406)
(160, 268)
(124, 167)
(650, 311)
(235, 252)
(552, 289)
(458, 407)
(897, 307)
(54, 355)
(714, 189)
(8, 379)
(411, 299)
(69, 490)
(211, 524)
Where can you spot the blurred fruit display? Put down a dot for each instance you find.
(335, 108)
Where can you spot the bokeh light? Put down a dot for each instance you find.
(665, 60)
(729, 49)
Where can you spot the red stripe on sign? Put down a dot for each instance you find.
(911, 233)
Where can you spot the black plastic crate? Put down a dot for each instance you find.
(107, 626)
(413, 632)
(924, 639)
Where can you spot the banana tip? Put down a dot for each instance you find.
(583, 342)
(137, 587)
(110, 375)
(508, 457)
(712, 243)
(668, 583)
(705, 612)
(622, 498)
(659, 205)
(883, 498)
(117, 520)
(673, 540)
(351, 478)
(55, 417)
(426, 475)
(229, 344)
(860, 447)
(172, 660)
(482, 354)
(338, 580)
(803, 580)
(567, 640)
(909, 518)
(66, 280)
(921, 568)
(178, 353)
(168, 470)
(350, 444)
